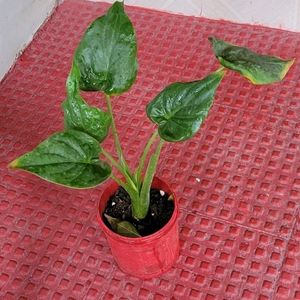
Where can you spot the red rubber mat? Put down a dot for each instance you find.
(240, 229)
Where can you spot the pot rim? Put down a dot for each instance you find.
(149, 238)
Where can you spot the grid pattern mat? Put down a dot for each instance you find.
(239, 224)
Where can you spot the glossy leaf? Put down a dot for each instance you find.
(259, 69)
(106, 55)
(70, 158)
(124, 228)
(180, 108)
(79, 115)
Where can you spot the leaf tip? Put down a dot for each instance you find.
(13, 164)
(118, 4)
(171, 197)
(211, 38)
(214, 40)
(288, 65)
(106, 216)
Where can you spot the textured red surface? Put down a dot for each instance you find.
(240, 229)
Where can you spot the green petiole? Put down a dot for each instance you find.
(140, 168)
(116, 139)
(140, 209)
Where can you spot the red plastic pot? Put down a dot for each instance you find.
(148, 256)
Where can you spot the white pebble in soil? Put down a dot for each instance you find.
(162, 193)
(113, 203)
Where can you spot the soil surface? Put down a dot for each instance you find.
(160, 210)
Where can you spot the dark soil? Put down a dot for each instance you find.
(160, 210)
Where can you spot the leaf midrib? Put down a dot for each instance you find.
(112, 43)
(62, 162)
(170, 116)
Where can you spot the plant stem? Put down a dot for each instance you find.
(116, 138)
(127, 187)
(140, 208)
(118, 181)
(121, 170)
(113, 161)
(144, 156)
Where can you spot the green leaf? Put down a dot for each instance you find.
(259, 69)
(70, 158)
(107, 54)
(79, 115)
(112, 221)
(180, 108)
(124, 228)
(127, 229)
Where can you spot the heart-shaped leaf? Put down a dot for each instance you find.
(124, 228)
(79, 115)
(106, 55)
(180, 108)
(259, 69)
(70, 158)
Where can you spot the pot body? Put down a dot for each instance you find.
(148, 256)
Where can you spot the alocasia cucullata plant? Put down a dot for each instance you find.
(106, 60)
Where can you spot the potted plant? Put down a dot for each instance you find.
(137, 211)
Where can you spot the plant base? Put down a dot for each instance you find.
(160, 210)
(148, 256)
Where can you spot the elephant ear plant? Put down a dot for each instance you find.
(106, 61)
